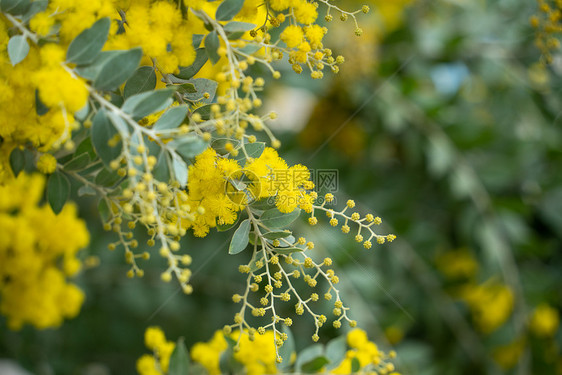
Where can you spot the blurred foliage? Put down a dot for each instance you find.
(446, 122)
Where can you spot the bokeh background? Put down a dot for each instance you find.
(445, 122)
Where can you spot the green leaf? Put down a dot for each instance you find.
(172, 118)
(119, 124)
(212, 45)
(219, 145)
(107, 178)
(200, 60)
(103, 130)
(117, 69)
(144, 79)
(240, 238)
(253, 239)
(228, 9)
(143, 104)
(355, 365)
(189, 146)
(287, 242)
(180, 170)
(86, 190)
(36, 7)
(307, 355)
(58, 190)
(186, 88)
(315, 365)
(287, 350)
(82, 113)
(236, 27)
(197, 39)
(276, 235)
(335, 351)
(86, 46)
(204, 112)
(15, 7)
(40, 107)
(263, 204)
(288, 250)
(17, 161)
(18, 48)
(274, 219)
(77, 162)
(226, 227)
(104, 211)
(254, 150)
(86, 147)
(202, 85)
(91, 71)
(161, 170)
(179, 360)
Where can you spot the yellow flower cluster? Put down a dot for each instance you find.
(158, 363)
(544, 321)
(19, 122)
(548, 23)
(38, 252)
(71, 17)
(161, 31)
(490, 303)
(303, 37)
(367, 353)
(214, 187)
(457, 264)
(257, 356)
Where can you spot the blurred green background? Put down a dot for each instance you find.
(444, 122)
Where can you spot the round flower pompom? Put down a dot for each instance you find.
(47, 164)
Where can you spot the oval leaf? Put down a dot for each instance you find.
(179, 360)
(117, 69)
(202, 85)
(144, 79)
(78, 162)
(142, 105)
(276, 235)
(275, 219)
(15, 7)
(335, 351)
(180, 170)
(228, 9)
(189, 147)
(17, 160)
(288, 250)
(200, 60)
(107, 178)
(355, 365)
(58, 190)
(236, 27)
(212, 45)
(161, 171)
(103, 131)
(86, 46)
(240, 238)
(91, 71)
(18, 48)
(254, 150)
(308, 354)
(172, 118)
